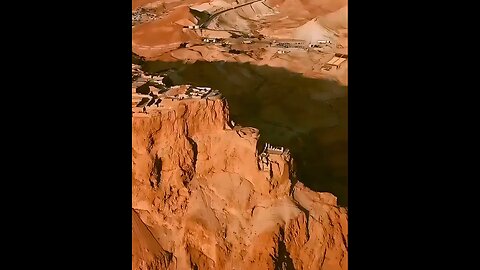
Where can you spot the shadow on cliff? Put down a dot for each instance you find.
(308, 116)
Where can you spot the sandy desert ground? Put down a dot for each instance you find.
(306, 20)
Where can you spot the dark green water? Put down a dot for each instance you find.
(308, 116)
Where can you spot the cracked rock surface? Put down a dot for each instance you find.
(201, 201)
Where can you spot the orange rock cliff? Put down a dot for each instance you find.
(204, 198)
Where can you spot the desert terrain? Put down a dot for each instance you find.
(211, 193)
(304, 36)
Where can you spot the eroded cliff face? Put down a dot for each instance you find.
(202, 199)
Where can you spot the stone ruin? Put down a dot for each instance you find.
(264, 160)
(150, 93)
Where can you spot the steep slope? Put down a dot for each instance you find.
(146, 251)
(212, 202)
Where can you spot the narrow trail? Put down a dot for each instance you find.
(213, 16)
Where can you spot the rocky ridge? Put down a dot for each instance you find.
(205, 197)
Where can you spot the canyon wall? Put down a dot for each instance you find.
(203, 199)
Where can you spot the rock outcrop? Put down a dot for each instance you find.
(203, 198)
